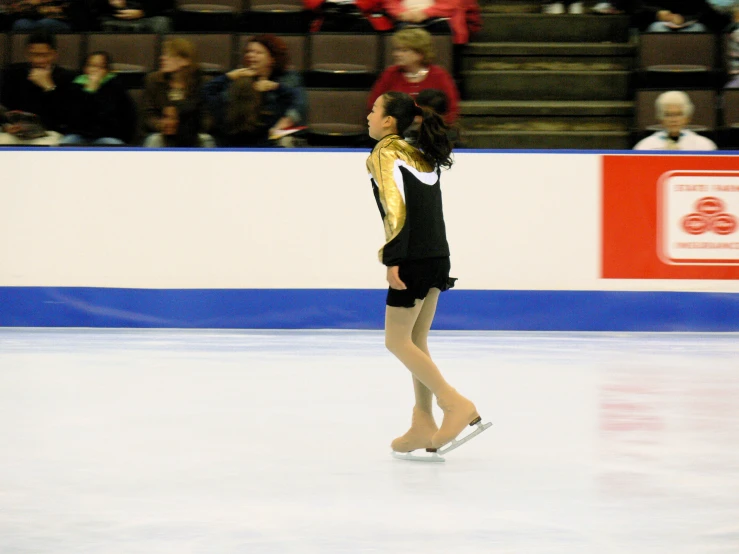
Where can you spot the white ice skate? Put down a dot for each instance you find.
(456, 443)
(430, 456)
(435, 455)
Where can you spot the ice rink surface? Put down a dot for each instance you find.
(243, 442)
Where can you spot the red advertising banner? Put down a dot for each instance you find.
(670, 217)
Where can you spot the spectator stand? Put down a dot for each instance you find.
(274, 16)
(214, 16)
(4, 50)
(338, 68)
(729, 131)
(341, 69)
(678, 61)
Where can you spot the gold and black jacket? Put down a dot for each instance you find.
(407, 189)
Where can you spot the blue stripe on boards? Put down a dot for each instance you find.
(364, 309)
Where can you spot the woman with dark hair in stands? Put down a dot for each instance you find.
(101, 111)
(413, 53)
(178, 83)
(407, 188)
(282, 96)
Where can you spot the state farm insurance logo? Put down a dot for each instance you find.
(698, 215)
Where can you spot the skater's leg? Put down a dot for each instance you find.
(458, 411)
(419, 337)
(399, 324)
(399, 340)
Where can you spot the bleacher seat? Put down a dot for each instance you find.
(731, 57)
(214, 51)
(730, 119)
(4, 47)
(134, 55)
(343, 61)
(678, 60)
(337, 117)
(442, 46)
(69, 46)
(730, 102)
(275, 16)
(213, 15)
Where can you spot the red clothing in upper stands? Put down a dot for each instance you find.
(454, 10)
(393, 79)
(373, 10)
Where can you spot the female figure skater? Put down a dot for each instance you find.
(406, 184)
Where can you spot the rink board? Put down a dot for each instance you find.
(289, 239)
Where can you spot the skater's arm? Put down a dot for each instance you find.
(389, 183)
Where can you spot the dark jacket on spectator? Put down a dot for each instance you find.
(18, 93)
(217, 98)
(287, 100)
(156, 97)
(107, 112)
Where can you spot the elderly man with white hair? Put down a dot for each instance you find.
(674, 110)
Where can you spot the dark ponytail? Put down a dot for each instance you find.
(433, 137)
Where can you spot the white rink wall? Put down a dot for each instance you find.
(292, 219)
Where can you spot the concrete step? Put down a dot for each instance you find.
(545, 85)
(521, 27)
(554, 140)
(567, 49)
(547, 63)
(553, 56)
(503, 108)
(511, 6)
(544, 124)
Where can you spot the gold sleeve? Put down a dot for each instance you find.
(381, 165)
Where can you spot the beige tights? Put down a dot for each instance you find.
(406, 336)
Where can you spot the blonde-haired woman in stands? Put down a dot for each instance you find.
(178, 83)
(413, 53)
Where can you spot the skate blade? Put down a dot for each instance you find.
(456, 443)
(432, 457)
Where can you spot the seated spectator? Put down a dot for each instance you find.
(178, 130)
(413, 53)
(685, 16)
(38, 87)
(235, 106)
(178, 83)
(283, 100)
(348, 16)
(463, 16)
(132, 16)
(33, 15)
(674, 110)
(101, 111)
